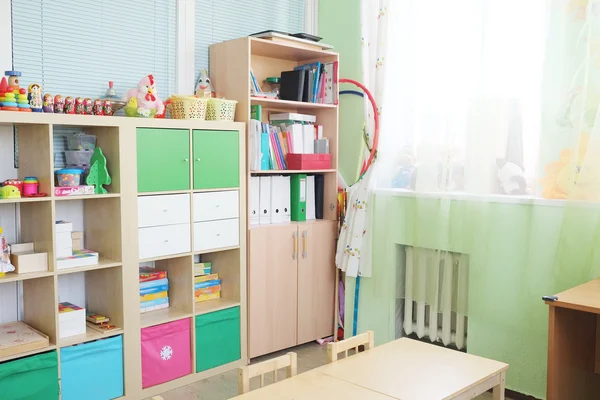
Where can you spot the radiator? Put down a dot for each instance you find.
(436, 283)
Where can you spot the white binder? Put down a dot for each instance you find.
(264, 200)
(254, 200)
(280, 199)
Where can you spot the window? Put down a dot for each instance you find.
(217, 21)
(74, 48)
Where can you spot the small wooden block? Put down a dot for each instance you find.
(77, 244)
(76, 235)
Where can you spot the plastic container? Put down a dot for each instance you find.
(308, 161)
(34, 377)
(217, 338)
(166, 352)
(81, 141)
(101, 362)
(78, 157)
(187, 107)
(68, 177)
(220, 110)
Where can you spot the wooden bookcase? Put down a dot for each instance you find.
(290, 301)
(111, 229)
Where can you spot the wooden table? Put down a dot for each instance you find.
(574, 343)
(403, 369)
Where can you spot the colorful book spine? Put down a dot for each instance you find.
(207, 290)
(201, 285)
(154, 296)
(280, 155)
(208, 296)
(147, 276)
(149, 284)
(335, 83)
(264, 152)
(153, 303)
(274, 156)
(154, 289)
(205, 278)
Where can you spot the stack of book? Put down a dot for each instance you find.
(154, 289)
(71, 320)
(207, 287)
(99, 322)
(288, 133)
(313, 83)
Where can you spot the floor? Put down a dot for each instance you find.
(224, 386)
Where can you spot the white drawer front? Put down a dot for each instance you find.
(212, 206)
(164, 240)
(216, 234)
(163, 210)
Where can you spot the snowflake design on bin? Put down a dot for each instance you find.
(166, 353)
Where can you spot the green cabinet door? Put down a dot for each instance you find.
(216, 159)
(163, 159)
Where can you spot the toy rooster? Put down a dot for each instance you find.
(146, 97)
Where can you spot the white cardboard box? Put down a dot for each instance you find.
(71, 323)
(64, 252)
(25, 259)
(63, 226)
(63, 240)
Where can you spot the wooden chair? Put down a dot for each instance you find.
(366, 339)
(288, 361)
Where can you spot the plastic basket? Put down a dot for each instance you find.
(220, 110)
(81, 141)
(187, 107)
(78, 157)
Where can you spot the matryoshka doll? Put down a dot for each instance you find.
(79, 106)
(97, 107)
(88, 106)
(35, 97)
(69, 105)
(48, 105)
(59, 104)
(107, 107)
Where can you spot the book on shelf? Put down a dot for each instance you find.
(207, 290)
(153, 296)
(207, 297)
(154, 286)
(205, 278)
(202, 268)
(153, 305)
(79, 258)
(147, 274)
(201, 285)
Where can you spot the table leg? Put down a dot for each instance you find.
(499, 388)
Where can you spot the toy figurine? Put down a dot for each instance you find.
(5, 265)
(204, 87)
(48, 104)
(88, 106)
(22, 101)
(107, 108)
(35, 97)
(69, 105)
(10, 192)
(13, 80)
(79, 105)
(97, 107)
(148, 102)
(59, 104)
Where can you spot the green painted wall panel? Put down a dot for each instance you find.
(163, 159)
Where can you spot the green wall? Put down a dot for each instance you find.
(339, 25)
(517, 253)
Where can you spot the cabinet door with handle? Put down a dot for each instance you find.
(216, 159)
(316, 280)
(163, 159)
(272, 289)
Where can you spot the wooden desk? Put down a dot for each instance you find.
(403, 369)
(408, 369)
(574, 344)
(312, 385)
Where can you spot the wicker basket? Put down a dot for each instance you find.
(187, 107)
(220, 110)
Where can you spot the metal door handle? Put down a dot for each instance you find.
(304, 235)
(295, 252)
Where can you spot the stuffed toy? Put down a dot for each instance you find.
(512, 177)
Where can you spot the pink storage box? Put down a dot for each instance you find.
(166, 352)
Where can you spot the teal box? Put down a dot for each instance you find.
(92, 371)
(217, 338)
(30, 378)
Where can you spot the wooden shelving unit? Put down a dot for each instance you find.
(283, 291)
(110, 225)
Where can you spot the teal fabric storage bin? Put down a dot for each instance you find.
(30, 378)
(92, 371)
(217, 338)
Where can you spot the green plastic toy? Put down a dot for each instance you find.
(98, 174)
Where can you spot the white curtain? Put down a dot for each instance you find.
(354, 246)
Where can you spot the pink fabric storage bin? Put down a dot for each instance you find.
(166, 352)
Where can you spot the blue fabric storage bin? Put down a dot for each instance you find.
(92, 371)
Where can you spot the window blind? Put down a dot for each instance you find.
(74, 48)
(218, 21)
